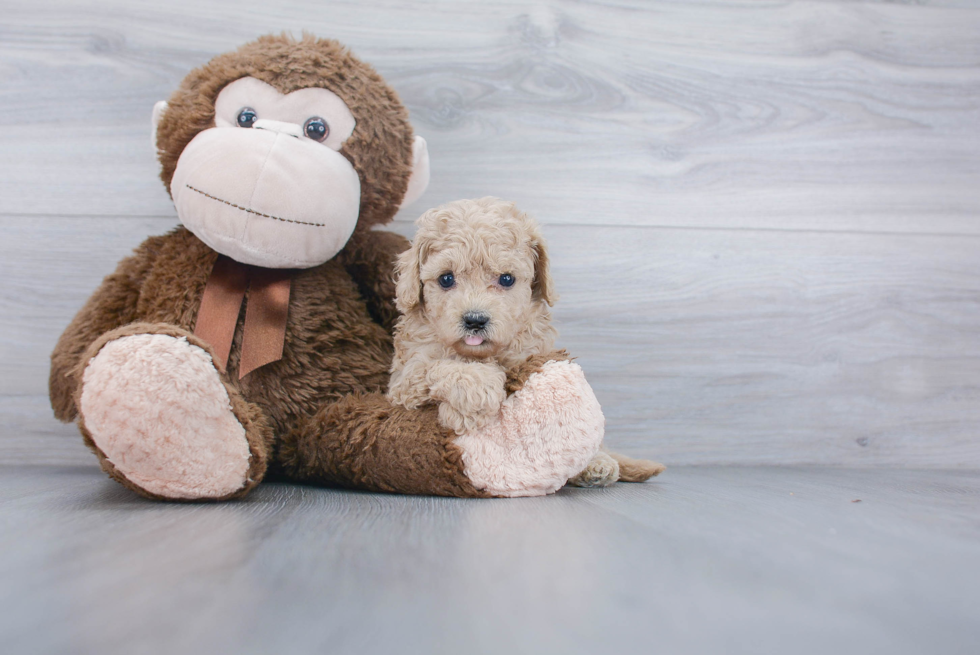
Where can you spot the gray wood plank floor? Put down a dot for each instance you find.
(712, 560)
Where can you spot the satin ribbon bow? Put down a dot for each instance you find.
(265, 313)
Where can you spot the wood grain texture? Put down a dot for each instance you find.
(763, 217)
(703, 346)
(703, 560)
(814, 115)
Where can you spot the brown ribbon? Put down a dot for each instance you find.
(265, 313)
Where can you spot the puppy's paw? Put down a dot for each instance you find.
(602, 471)
(471, 396)
(458, 422)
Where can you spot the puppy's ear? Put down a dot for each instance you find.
(542, 287)
(408, 281)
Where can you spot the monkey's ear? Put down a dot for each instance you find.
(158, 110)
(420, 172)
(408, 280)
(543, 287)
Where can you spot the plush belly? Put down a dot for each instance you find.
(333, 348)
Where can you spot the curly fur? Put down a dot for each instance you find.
(477, 241)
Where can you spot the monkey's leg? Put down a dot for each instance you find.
(162, 419)
(546, 431)
(365, 442)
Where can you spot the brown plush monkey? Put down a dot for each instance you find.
(256, 337)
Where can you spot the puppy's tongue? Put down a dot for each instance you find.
(473, 340)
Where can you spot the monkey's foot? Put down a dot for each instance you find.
(545, 433)
(158, 414)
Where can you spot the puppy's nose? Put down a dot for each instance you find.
(475, 320)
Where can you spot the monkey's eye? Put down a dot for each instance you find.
(506, 280)
(316, 128)
(446, 280)
(246, 117)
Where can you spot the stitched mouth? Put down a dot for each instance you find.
(252, 211)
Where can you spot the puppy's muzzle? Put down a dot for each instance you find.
(475, 325)
(475, 321)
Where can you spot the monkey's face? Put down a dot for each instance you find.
(275, 153)
(267, 184)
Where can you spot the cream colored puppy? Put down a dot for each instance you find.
(474, 291)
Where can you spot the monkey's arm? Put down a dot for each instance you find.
(111, 306)
(370, 259)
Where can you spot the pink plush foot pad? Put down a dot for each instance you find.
(545, 433)
(156, 407)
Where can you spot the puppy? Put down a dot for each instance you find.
(474, 291)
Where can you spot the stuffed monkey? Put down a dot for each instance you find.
(255, 338)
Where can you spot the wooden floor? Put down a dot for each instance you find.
(764, 220)
(705, 560)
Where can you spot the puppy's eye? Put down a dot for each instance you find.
(247, 116)
(446, 280)
(506, 280)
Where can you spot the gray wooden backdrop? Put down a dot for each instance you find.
(764, 217)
